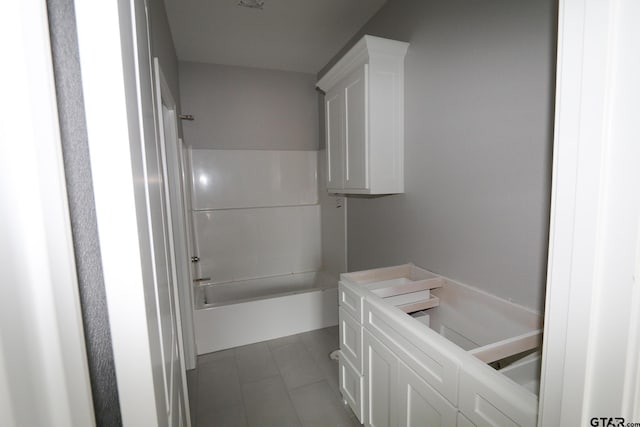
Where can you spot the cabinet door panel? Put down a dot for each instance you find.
(495, 401)
(335, 139)
(351, 387)
(436, 365)
(350, 301)
(350, 339)
(381, 378)
(356, 130)
(419, 404)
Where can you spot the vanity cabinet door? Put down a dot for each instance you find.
(380, 379)
(419, 404)
(490, 400)
(350, 300)
(351, 386)
(334, 110)
(350, 339)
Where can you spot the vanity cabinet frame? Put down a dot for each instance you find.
(432, 367)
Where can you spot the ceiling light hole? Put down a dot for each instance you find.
(253, 4)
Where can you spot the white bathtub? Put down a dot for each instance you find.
(245, 312)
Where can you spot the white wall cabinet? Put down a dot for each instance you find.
(364, 118)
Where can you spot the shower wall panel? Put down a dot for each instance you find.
(256, 213)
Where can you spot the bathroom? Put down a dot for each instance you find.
(161, 197)
(478, 126)
(263, 220)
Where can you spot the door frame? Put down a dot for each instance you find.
(184, 153)
(586, 34)
(117, 86)
(593, 251)
(177, 209)
(44, 374)
(175, 216)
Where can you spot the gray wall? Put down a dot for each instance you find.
(248, 108)
(478, 119)
(333, 224)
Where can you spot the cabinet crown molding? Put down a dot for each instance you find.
(367, 49)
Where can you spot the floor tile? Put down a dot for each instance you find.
(218, 385)
(268, 404)
(320, 343)
(192, 389)
(204, 359)
(296, 365)
(329, 369)
(229, 416)
(333, 332)
(283, 341)
(255, 362)
(256, 385)
(192, 375)
(317, 406)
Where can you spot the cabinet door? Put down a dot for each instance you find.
(419, 404)
(491, 400)
(356, 130)
(334, 117)
(381, 379)
(350, 339)
(350, 300)
(351, 386)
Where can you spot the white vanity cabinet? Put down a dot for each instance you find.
(420, 404)
(416, 349)
(364, 118)
(351, 362)
(398, 396)
(380, 383)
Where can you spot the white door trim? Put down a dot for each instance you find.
(175, 216)
(590, 255)
(111, 88)
(44, 377)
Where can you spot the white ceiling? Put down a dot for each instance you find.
(294, 35)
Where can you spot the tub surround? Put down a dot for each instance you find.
(255, 213)
(234, 179)
(257, 223)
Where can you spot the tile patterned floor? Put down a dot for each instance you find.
(288, 381)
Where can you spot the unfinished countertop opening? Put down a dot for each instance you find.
(478, 354)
